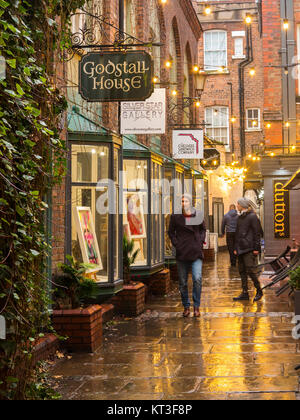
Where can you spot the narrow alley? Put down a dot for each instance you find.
(233, 351)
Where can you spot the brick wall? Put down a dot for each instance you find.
(217, 91)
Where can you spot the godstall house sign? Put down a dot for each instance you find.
(110, 76)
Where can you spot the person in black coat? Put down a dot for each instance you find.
(229, 224)
(248, 247)
(187, 232)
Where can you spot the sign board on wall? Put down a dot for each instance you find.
(281, 211)
(188, 144)
(147, 117)
(116, 76)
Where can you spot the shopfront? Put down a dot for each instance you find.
(143, 220)
(94, 223)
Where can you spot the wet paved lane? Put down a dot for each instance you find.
(233, 351)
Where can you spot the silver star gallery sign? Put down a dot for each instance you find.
(116, 76)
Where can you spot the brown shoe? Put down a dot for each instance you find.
(196, 312)
(186, 312)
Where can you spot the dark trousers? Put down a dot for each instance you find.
(248, 268)
(230, 238)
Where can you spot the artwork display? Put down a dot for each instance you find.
(87, 237)
(134, 215)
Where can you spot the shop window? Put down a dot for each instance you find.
(94, 209)
(215, 49)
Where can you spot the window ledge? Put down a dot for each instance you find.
(238, 57)
(250, 130)
(216, 72)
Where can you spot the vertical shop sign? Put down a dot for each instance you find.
(281, 211)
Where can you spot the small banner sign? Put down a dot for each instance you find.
(281, 211)
(148, 117)
(116, 76)
(188, 144)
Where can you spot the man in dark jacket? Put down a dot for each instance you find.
(187, 232)
(248, 247)
(229, 224)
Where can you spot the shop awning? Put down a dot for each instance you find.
(78, 123)
(294, 182)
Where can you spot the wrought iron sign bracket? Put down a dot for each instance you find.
(94, 32)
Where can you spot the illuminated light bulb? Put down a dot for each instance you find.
(215, 163)
(93, 151)
(252, 72)
(254, 158)
(196, 68)
(233, 119)
(198, 104)
(254, 123)
(102, 154)
(293, 147)
(248, 19)
(163, 1)
(287, 124)
(174, 92)
(285, 24)
(272, 154)
(204, 162)
(139, 166)
(268, 125)
(249, 156)
(168, 64)
(207, 10)
(155, 79)
(259, 158)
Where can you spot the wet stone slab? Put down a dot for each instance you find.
(234, 351)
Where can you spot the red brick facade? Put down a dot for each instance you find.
(217, 92)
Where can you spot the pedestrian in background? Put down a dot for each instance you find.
(229, 225)
(187, 232)
(247, 248)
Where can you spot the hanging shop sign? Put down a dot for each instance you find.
(211, 160)
(281, 211)
(188, 144)
(147, 117)
(116, 76)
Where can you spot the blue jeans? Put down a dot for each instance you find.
(183, 272)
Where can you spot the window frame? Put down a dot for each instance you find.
(250, 127)
(212, 67)
(219, 108)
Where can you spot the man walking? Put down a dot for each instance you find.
(187, 232)
(229, 225)
(247, 248)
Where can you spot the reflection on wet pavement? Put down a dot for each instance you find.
(233, 351)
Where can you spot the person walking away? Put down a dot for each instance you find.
(229, 225)
(247, 248)
(187, 232)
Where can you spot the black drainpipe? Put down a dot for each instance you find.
(242, 66)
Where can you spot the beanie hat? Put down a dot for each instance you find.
(243, 202)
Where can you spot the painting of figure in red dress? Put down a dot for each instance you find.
(87, 236)
(135, 215)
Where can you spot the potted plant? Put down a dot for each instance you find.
(129, 258)
(131, 300)
(294, 282)
(73, 315)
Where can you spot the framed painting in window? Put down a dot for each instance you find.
(87, 237)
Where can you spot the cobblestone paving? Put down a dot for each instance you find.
(233, 351)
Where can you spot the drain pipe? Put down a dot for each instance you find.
(242, 65)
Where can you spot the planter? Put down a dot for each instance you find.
(297, 302)
(131, 300)
(83, 327)
(161, 283)
(209, 255)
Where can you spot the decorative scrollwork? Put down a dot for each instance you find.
(97, 32)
